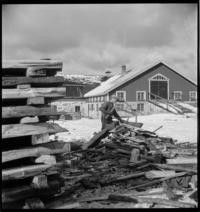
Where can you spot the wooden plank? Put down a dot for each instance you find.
(33, 92)
(39, 100)
(136, 199)
(27, 171)
(22, 111)
(22, 192)
(23, 86)
(182, 160)
(48, 64)
(67, 206)
(96, 139)
(35, 71)
(158, 174)
(19, 130)
(158, 181)
(37, 151)
(14, 81)
(176, 168)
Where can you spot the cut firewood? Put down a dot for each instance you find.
(135, 154)
(14, 81)
(23, 111)
(27, 120)
(122, 198)
(40, 182)
(33, 92)
(127, 177)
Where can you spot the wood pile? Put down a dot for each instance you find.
(126, 162)
(30, 166)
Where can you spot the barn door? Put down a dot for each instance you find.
(159, 86)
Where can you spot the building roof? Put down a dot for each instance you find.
(120, 79)
(32, 63)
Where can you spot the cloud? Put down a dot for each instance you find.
(95, 38)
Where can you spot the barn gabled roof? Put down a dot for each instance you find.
(119, 79)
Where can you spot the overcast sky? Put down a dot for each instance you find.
(91, 39)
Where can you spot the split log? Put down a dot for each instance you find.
(135, 154)
(28, 171)
(96, 139)
(33, 92)
(40, 182)
(19, 130)
(38, 100)
(23, 111)
(176, 168)
(37, 151)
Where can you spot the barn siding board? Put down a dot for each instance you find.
(141, 82)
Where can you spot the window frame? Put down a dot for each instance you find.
(175, 92)
(140, 92)
(190, 95)
(140, 107)
(124, 93)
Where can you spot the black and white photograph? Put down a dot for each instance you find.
(99, 105)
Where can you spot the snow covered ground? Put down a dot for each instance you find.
(180, 127)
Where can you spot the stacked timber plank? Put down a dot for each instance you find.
(30, 167)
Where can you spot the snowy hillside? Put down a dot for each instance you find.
(83, 79)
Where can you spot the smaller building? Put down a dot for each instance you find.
(73, 104)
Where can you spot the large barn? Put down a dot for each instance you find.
(156, 88)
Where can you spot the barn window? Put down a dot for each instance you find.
(140, 95)
(159, 77)
(77, 109)
(140, 107)
(192, 96)
(121, 95)
(178, 95)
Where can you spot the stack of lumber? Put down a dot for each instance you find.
(30, 166)
(123, 161)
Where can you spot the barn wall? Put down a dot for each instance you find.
(176, 83)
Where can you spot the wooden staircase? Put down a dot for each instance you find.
(167, 104)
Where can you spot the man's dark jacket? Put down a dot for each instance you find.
(108, 110)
